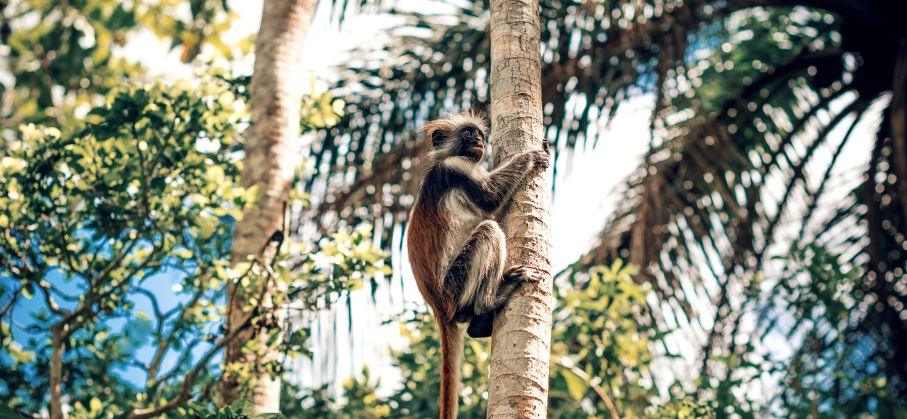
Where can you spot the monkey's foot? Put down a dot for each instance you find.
(522, 274)
(481, 326)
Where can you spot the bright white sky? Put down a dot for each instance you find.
(583, 202)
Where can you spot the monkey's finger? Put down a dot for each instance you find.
(536, 275)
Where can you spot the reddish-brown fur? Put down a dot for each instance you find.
(427, 233)
(451, 346)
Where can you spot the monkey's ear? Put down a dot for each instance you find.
(437, 138)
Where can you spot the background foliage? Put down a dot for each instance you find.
(117, 213)
(743, 225)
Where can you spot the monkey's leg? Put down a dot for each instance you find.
(482, 324)
(477, 268)
(476, 280)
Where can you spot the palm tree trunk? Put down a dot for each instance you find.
(520, 348)
(269, 163)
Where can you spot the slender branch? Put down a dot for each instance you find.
(182, 360)
(46, 289)
(189, 380)
(7, 310)
(165, 343)
(12, 301)
(113, 264)
(155, 306)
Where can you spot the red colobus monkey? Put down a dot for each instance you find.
(456, 248)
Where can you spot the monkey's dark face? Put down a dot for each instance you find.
(457, 136)
(471, 142)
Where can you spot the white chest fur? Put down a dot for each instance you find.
(464, 217)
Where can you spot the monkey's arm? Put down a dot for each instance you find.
(492, 191)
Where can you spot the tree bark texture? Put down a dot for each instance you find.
(270, 161)
(56, 372)
(521, 341)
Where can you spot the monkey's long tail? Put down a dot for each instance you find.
(451, 357)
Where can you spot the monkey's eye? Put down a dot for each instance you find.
(471, 134)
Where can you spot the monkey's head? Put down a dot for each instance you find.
(460, 135)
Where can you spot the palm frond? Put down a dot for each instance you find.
(437, 63)
(749, 97)
(733, 153)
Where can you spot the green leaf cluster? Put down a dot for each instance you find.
(65, 56)
(91, 223)
(144, 193)
(242, 409)
(320, 110)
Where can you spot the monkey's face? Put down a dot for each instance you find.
(471, 141)
(458, 135)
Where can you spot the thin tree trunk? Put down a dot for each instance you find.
(57, 344)
(269, 163)
(520, 349)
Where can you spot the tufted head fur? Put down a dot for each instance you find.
(463, 134)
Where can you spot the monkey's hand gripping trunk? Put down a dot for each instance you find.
(451, 357)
